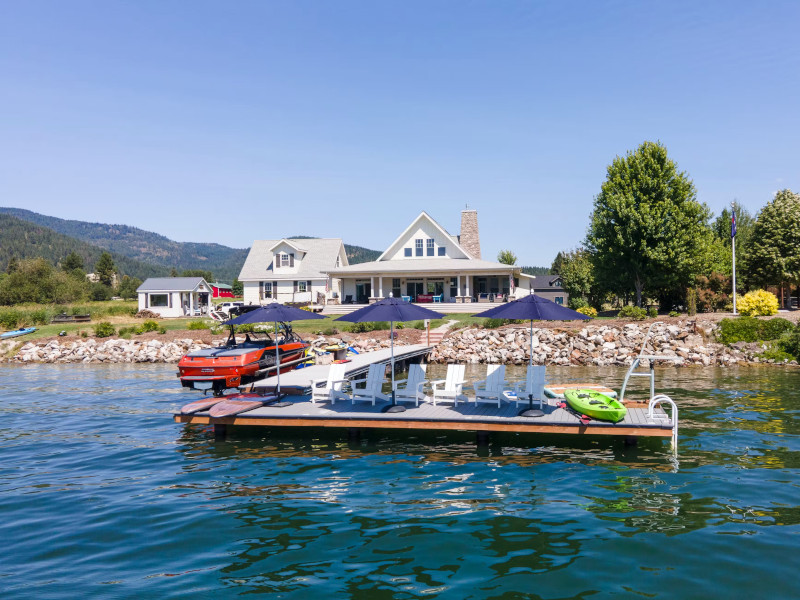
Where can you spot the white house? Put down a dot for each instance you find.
(175, 296)
(425, 263)
(292, 270)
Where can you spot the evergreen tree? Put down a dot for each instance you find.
(71, 262)
(237, 288)
(13, 265)
(647, 230)
(558, 261)
(105, 269)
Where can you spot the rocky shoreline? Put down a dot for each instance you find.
(595, 345)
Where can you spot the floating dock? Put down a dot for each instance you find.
(647, 419)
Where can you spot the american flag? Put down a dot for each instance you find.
(733, 223)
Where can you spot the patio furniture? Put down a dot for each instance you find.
(424, 297)
(438, 298)
(449, 388)
(330, 388)
(492, 388)
(412, 388)
(373, 383)
(347, 299)
(531, 387)
(483, 297)
(406, 298)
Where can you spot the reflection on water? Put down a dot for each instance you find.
(102, 493)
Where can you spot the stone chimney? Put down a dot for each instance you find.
(470, 239)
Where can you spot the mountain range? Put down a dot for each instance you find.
(136, 252)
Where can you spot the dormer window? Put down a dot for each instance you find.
(418, 244)
(285, 259)
(430, 246)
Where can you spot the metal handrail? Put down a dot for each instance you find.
(652, 416)
(638, 360)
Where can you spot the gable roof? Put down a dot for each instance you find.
(422, 216)
(171, 284)
(320, 256)
(288, 242)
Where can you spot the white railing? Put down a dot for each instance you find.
(654, 417)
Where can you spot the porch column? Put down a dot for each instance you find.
(458, 285)
(380, 286)
(466, 285)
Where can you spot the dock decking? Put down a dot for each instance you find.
(466, 417)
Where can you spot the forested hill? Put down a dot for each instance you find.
(23, 239)
(145, 246)
(355, 254)
(141, 247)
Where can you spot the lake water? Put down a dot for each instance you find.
(103, 496)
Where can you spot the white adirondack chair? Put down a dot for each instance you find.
(330, 388)
(372, 386)
(449, 389)
(532, 385)
(491, 389)
(412, 387)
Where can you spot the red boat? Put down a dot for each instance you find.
(238, 363)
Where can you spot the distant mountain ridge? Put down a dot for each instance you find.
(23, 239)
(151, 252)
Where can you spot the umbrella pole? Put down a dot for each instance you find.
(530, 411)
(393, 407)
(278, 358)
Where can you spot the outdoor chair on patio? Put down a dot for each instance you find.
(330, 388)
(412, 387)
(449, 389)
(347, 300)
(373, 383)
(492, 388)
(531, 386)
(438, 298)
(406, 298)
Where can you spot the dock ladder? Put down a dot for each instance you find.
(655, 400)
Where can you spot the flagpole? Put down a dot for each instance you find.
(733, 252)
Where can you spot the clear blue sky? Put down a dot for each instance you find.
(231, 121)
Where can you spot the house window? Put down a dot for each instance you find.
(441, 250)
(159, 299)
(396, 293)
(430, 246)
(267, 289)
(300, 286)
(418, 244)
(559, 300)
(338, 262)
(407, 251)
(557, 283)
(284, 261)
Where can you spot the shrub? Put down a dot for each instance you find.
(674, 313)
(148, 325)
(652, 312)
(331, 331)
(162, 330)
(750, 329)
(495, 323)
(577, 302)
(588, 311)
(777, 353)
(634, 313)
(84, 334)
(39, 317)
(368, 326)
(104, 329)
(246, 328)
(758, 303)
(196, 324)
(790, 344)
(9, 319)
(772, 329)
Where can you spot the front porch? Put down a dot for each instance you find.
(445, 308)
(431, 290)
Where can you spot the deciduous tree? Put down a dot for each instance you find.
(647, 229)
(507, 257)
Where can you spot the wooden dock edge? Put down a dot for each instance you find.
(633, 431)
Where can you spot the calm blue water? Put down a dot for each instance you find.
(102, 496)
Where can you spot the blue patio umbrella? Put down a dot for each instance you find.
(274, 313)
(391, 310)
(533, 308)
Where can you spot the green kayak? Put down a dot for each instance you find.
(595, 405)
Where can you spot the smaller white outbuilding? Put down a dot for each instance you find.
(175, 296)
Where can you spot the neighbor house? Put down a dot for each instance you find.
(425, 263)
(550, 287)
(175, 296)
(292, 270)
(221, 290)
